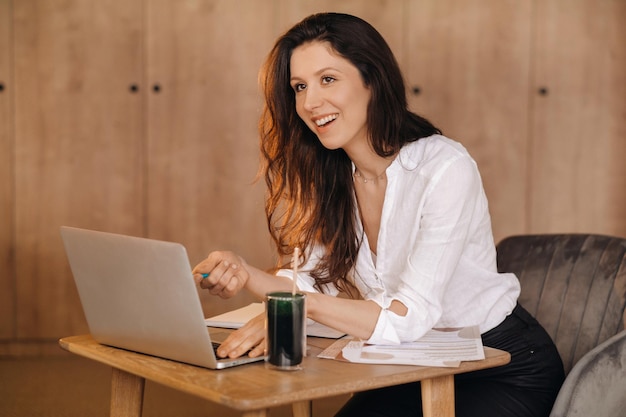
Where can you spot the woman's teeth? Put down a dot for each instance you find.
(325, 120)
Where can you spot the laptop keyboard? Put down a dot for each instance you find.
(217, 344)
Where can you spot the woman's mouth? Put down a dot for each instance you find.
(325, 120)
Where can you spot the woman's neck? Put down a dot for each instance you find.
(372, 169)
(369, 166)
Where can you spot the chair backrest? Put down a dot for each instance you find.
(596, 386)
(574, 285)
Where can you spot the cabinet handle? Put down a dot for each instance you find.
(133, 88)
(543, 91)
(1, 87)
(156, 88)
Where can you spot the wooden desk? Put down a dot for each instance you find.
(253, 388)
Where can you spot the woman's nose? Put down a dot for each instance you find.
(312, 99)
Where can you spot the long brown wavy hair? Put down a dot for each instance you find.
(310, 198)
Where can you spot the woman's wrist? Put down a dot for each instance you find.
(311, 304)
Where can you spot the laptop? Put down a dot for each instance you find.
(139, 294)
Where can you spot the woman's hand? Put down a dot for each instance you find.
(250, 337)
(226, 273)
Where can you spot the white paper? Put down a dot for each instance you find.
(236, 318)
(436, 348)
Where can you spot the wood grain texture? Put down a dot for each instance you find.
(7, 175)
(302, 409)
(256, 387)
(126, 394)
(78, 134)
(434, 392)
(387, 16)
(202, 139)
(577, 179)
(470, 62)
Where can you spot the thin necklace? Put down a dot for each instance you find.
(357, 174)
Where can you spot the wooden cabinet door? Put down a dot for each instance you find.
(203, 59)
(468, 72)
(78, 149)
(578, 123)
(7, 175)
(387, 16)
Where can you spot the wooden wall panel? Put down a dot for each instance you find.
(203, 152)
(578, 175)
(7, 175)
(470, 62)
(387, 16)
(78, 145)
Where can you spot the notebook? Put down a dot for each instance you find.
(236, 318)
(139, 294)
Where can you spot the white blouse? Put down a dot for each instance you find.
(436, 253)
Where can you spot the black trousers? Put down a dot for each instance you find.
(526, 387)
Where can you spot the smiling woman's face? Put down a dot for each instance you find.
(331, 97)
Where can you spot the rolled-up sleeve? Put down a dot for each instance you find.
(304, 281)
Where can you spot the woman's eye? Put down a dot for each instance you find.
(299, 87)
(327, 79)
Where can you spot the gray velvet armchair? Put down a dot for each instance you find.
(575, 285)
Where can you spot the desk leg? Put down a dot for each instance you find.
(258, 413)
(126, 394)
(438, 396)
(302, 409)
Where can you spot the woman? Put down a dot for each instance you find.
(391, 215)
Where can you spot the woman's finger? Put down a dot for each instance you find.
(250, 337)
